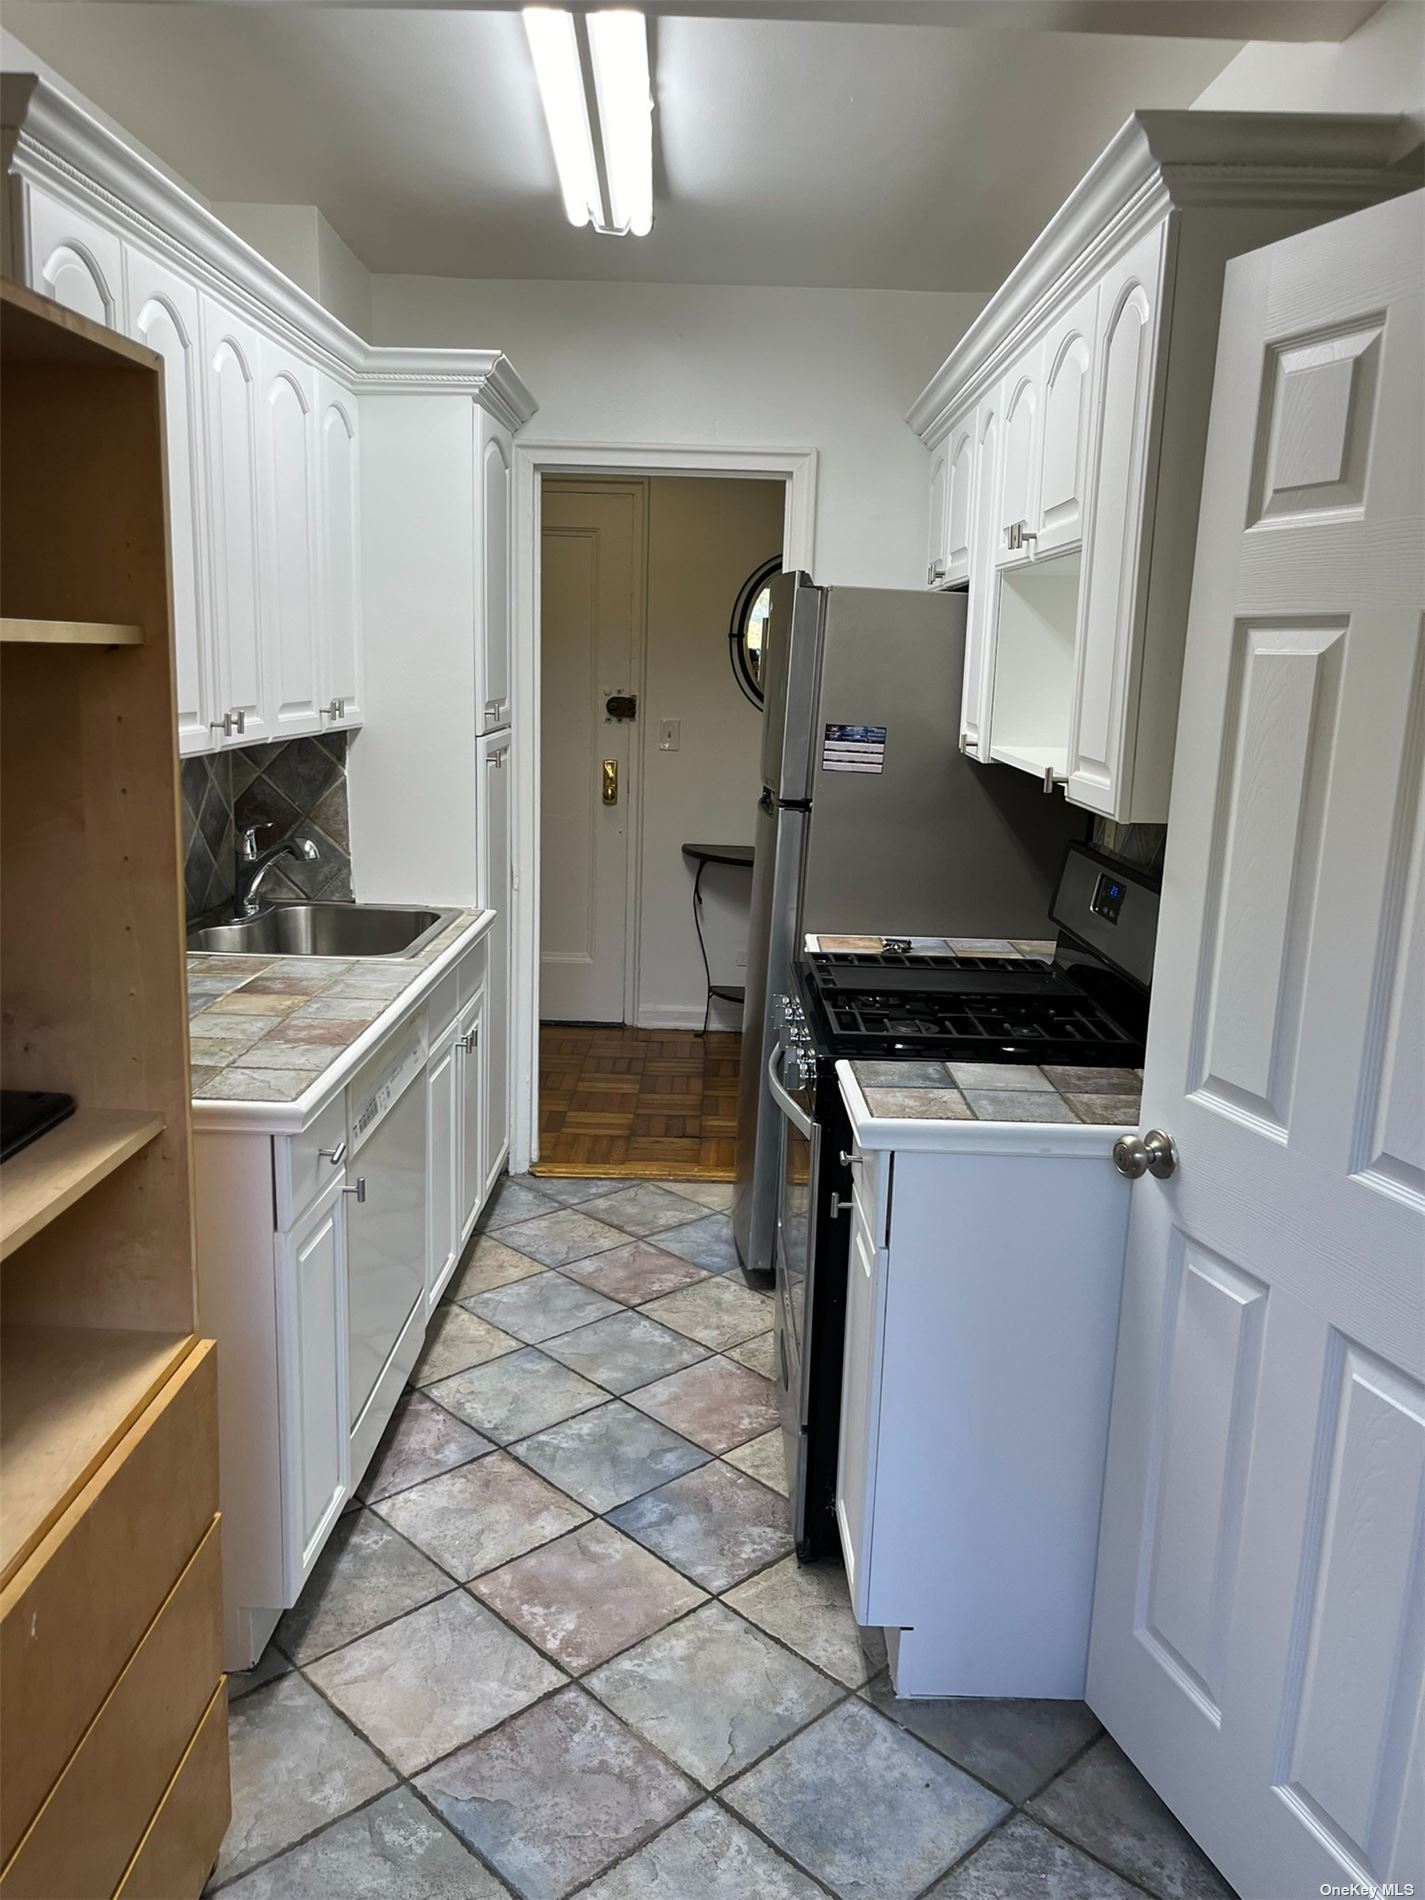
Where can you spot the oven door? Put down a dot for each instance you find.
(798, 1155)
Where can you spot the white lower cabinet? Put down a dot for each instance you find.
(470, 1055)
(443, 1209)
(311, 1322)
(497, 894)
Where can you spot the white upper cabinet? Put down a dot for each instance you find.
(164, 315)
(496, 606)
(959, 492)
(74, 259)
(230, 402)
(939, 526)
(1113, 585)
(288, 491)
(1064, 444)
(339, 591)
(1018, 483)
(978, 688)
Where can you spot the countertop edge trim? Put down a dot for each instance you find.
(1079, 1141)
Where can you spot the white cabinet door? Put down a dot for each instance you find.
(470, 1056)
(339, 643)
(443, 1203)
(938, 525)
(497, 894)
(74, 259)
(977, 697)
(288, 489)
(230, 404)
(1117, 532)
(860, 1413)
(496, 606)
(1064, 441)
(164, 315)
(1019, 459)
(959, 496)
(311, 1318)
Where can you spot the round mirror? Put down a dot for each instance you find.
(748, 631)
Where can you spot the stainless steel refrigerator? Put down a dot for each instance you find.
(870, 820)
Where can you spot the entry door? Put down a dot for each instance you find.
(591, 605)
(1259, 1620)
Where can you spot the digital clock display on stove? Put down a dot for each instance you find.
(1107, 898)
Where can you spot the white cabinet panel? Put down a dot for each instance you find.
(978, 691)
(495, 528)
(470, 1056)
(496, 893)
(1064, 448)
(230, 401)
(938, 524)
(960, 483)
(1114, 583)
(443, 1169)
(74, 259)
(860, 1406)
(164, 315)
(311, 1320)
(288, 495)
(1018, 484)
(339, 572)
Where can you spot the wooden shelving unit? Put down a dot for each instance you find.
(108, 1430)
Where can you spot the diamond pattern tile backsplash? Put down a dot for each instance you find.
(297, 786)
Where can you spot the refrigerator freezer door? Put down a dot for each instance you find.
(791, 670)
(772, 943)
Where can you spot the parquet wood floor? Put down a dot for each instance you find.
(654, 1103)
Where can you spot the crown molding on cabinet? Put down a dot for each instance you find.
(51, 141)
(1159, 162)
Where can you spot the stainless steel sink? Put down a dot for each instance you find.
(325, 930)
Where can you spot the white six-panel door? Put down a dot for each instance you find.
(1259, 1624)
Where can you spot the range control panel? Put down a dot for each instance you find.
(1110, 906)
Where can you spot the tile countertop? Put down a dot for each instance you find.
(272, 1038)
(989, 1107)
(1042, 947)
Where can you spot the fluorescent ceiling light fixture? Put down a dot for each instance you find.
(617, 52)
(618, 47)
(555, 52)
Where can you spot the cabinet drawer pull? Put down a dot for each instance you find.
(335, 1155)
(357, 1187)
(469, 1041)
(849, 1160)
(839, 1207)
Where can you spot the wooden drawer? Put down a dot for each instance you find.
(74, 1614)
(183, 1838)
(84, 1836)
(302, 1171)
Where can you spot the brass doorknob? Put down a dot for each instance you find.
(611, 781)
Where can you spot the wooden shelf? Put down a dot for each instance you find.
(69, 633)
(67, 1396)
(40, 1182)
(1037, 759)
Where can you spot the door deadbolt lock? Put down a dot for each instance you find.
(1154, 1153)
(611, 781)
(622, 705)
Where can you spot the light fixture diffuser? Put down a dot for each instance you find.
(618, 49)
(554, 49)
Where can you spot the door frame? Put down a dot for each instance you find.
(797, 469)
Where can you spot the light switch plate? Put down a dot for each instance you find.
(670, 734)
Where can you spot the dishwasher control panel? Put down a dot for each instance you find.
(379, 1086)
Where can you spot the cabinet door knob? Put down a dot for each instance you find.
(849, 1160)
(357, 1187)
(469, 1041)
(335, 1155)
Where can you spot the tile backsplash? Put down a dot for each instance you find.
(295, 785)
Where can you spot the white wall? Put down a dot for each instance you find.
(671, 365)
(1380, 68)
(304, 247)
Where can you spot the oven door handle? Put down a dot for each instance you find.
(793, 1111)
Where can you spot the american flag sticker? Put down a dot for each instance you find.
(853, 749)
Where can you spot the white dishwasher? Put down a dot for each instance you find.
(386, 1227)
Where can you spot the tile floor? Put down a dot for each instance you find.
(561, 1645)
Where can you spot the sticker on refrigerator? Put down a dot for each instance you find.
(853, 749)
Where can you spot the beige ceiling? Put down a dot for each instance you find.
(789, 152)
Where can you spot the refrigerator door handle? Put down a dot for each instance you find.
(793, 1111)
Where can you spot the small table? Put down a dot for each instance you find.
(704, 855)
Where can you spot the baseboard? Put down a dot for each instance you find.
(725, 1016)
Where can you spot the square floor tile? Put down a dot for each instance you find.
(538, 1308)
(569, 1189)
(522, 1393)
(1104, 1804)
(716, 1525)
(705, 1856)
(764, 1459)
(718, 1312)
(511, 1201)
(809, 1608)
(707, 1243)
(1016, 1746)
(421, 1686)
(625, 1351)
(605, 1457)
(481, 1515)
(1022, 1859)
(563, 1235)
(294, 1764)
(640, 1208)
(759, 1354)
(556, 1795)
(269, 1666)
(635, 1273)
(365, 1576)
(457, 1339)
(865, 1807)
(588, 1595)
(489, 1263)
(716, 1196)
(715, 1403)
(393, 1850)
(420, 1442)
(712, 1693)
